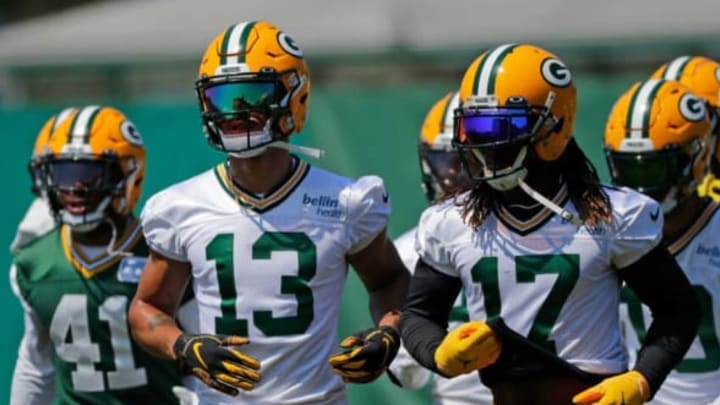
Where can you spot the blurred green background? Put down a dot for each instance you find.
(365, 129)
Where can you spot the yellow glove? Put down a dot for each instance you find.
(469, 347)
(629, 388)
(710, 187)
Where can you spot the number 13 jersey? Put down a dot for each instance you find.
(271, 269)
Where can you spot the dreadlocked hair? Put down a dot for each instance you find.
(583, 183)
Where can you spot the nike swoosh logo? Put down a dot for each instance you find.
(196, 349)
(654, 215)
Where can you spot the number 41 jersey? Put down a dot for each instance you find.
(271, 269)
(81, 304)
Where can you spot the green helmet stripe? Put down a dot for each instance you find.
(234, 41)
(488, 69)
(81, 126)
(638, 119)
(674, 69)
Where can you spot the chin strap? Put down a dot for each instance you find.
(549, 204)
(110, 248)
(305, 150)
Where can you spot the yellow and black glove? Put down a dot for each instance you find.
(213, 360)
(630, 388)
(366, 354)
(710, 187)
(469, 347)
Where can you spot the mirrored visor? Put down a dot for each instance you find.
(488, 126)
(240, 96)
(647, 171)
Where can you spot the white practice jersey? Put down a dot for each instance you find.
(272, 269)
(465, 389)
(696, 379)
(550, 280)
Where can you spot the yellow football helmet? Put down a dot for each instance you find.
(657, 140)
(253, 86)
(439, 161)
(513, 96)
(90, 161)
(702, 76)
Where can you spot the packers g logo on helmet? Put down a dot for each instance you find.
(692, 107)
(253, 86)
(556, 73)
(657, 140)
(90, 151)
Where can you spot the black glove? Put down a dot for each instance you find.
(367, 354)
(213, 360)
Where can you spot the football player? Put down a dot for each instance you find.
(441, 175)
(657, 141)
(540, 248)
(265, 239)
(702, 76)
(76, 281)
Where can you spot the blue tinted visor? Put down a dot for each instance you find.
(241, 96)
(496, 125)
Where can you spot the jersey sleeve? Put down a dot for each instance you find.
(638, 229)
(160, 230)
(368, 206)
(33, 379)
(429, 244)
(37, 222)
(405, 246)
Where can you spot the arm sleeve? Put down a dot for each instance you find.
(160, 231)
(426, 312)
(33, 380)
(660, 284)
(368, 211)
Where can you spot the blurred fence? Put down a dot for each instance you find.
(364, 129)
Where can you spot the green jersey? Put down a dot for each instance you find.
(82, 304)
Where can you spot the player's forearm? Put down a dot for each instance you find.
(661, 285)
(387, 301)
(155, 330)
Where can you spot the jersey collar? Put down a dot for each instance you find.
(91, 267)
(275, 197)
(524, 227)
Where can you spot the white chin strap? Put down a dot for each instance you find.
(86, 222)
(241, 146)
(566, 215)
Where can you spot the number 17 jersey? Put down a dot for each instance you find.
(271, 269)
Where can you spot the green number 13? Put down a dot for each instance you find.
(527, 268)
(220, 250)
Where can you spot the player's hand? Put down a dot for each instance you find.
(710, 187)
(216, 362)
(366, 354)
(630, 388)
(469, 347)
